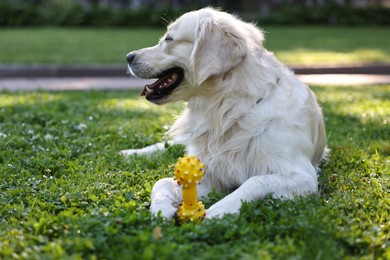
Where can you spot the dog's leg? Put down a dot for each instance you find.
(166, 197)
(148, 150)
(257, 187)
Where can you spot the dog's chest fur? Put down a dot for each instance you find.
(221, 135)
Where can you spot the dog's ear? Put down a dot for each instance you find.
(218, 48)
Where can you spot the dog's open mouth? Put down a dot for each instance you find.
(167, 81)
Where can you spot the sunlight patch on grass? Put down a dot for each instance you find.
(126, 104)
(360, 114)
(29, 99)
(362, 102)
(370, 110)
(318, 57)
(139, 104)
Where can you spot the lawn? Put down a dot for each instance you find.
(65, 193)
(311, 46)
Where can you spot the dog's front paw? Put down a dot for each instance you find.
(128, 152)
(167, 211)
(165, 198)
(148, 150)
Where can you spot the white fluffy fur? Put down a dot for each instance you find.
(255, 126)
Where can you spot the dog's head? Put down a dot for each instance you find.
(198, 46)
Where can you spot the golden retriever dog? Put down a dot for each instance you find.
(255, 126)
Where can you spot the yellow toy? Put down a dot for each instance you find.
(188, 171)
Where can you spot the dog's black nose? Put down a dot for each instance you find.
(130, 57)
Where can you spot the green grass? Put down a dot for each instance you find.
(304, 45)
(65, 193)
(69, 46)
(327, 45)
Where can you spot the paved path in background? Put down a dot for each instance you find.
(123, 83)
(345, 79)
(84, 83)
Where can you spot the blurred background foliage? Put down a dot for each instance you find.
(150, 13)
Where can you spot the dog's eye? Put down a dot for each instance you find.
(168, 39)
